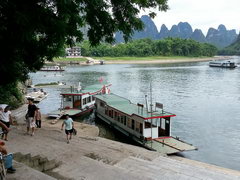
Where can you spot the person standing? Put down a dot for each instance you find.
(68, 122)
(37, 117)
(6, 119)
(30, 116)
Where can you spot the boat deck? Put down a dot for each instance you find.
(60, 113)
(169, 145)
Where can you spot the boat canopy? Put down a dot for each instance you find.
(127, 107)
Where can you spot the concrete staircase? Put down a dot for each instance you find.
(167, 168)
(37, 162)
(24, 172)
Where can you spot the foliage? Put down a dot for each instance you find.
(35, 31)
(233, 49)
(148, 47)
(10, 94)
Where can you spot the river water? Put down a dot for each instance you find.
(206, 101)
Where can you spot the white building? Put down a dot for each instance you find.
(73, 52)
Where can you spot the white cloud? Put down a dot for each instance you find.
(201, 14)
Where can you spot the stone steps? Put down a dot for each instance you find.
(37, 162)
(25, 172)
(166, 168)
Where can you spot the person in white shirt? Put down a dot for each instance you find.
(5, 118)
(68, 127)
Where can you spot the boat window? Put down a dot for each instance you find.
(67, 98)
(137, 126)
(125, 120)
(89, 99)
(84, 101)
(122, 119)
(133, 124)
(93, 98)
(115, 115)
(119, 117)
(110, 113)
(129, 123)
(102, 104)
(106, 111)
(141, 128)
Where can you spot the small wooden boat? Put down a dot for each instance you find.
(78, 102)
(227, 64)
(150, 129)
(52, 68)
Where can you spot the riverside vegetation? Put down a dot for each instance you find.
(148, 47)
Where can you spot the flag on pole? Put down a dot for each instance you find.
(100, 80)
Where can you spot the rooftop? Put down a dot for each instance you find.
(126, 106)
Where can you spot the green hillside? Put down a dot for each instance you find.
(233, 49)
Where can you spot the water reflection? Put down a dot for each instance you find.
(206, 101)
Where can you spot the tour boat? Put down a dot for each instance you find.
(77, 102)
(52, 68)
(227, 64)
(149, 128)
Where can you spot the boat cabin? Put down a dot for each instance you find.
(152, 129)
(52, 68)
(78, 102)
(227, 64)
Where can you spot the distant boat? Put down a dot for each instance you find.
(52, 68)
(226, 64)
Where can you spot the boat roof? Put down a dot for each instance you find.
(126, 106)
(93, 89)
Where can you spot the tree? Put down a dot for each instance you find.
(36, 30)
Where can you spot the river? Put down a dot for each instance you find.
(206, 101)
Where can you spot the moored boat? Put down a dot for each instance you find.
(37, 95)
(150, 129)
(52, 68)
(78, 102)
(227, 64)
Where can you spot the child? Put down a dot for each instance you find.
(37, 117)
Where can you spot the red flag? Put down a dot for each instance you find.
(100, 79)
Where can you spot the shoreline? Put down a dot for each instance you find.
(150, 61)
(167, 61)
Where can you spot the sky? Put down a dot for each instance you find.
(201, 14)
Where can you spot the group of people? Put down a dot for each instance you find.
(33, 120)
(5, 121)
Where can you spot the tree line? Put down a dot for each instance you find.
(148, 47)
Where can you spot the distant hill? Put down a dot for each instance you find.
(220, 37)
(233, 49)
(149, 31)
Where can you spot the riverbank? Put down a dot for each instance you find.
(139, 60)
(91, 157)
